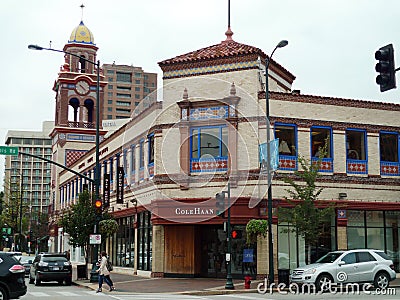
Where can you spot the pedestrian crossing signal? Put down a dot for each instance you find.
(236, 234)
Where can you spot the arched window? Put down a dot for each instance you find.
(74, 113)
(89, 105)
(82, 64)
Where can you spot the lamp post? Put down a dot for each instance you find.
(229, 283)
(281, 44)
(21, 182)
(97, 154)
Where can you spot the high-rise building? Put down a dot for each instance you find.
(31, 173)
(127, 86)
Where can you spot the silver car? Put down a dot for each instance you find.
(352, 266)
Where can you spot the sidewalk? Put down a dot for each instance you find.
(125, 283)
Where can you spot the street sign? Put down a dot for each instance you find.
(6, 150)
(95, 239)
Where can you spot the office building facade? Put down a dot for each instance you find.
(127, 86)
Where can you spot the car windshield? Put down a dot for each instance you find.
(25, 259)
(329, 257)
(54, 258)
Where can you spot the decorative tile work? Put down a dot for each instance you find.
(287, 163)
(80, 137)
(326, 164)
(211, 69)
(71, 156)
(206, 113)
(133, 177)
(208, 165)
(356, 166)
(184, 114)
(390, 169)
(141, 173)
(151, 169)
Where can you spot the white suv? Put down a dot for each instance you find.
(352, 266)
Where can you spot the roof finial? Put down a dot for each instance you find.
(233, 89)
(82, 6)
(185, 94)
(229, 32)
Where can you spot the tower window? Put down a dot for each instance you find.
(82, 64)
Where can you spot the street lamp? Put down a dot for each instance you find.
(281, 44)
(97, 167)
(21, 182)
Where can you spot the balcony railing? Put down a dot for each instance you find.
(72, 124)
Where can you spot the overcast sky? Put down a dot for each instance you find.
(331, 43)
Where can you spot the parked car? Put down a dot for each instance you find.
(352, 266)
(26, 261)
(12, 277)
(50, 267)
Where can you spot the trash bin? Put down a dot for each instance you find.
(283, 276)
(81, 271)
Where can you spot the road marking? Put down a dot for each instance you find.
(39, 294)
(69, 294)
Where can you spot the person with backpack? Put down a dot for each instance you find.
(104, 273)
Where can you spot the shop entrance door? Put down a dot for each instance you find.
(213, 250)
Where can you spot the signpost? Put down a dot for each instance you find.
(6, 150)
(95, 239)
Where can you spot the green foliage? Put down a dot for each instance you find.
(255, 228)
(309, 221)
(79, 220)
(108, 227)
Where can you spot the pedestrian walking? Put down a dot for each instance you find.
(104, 273)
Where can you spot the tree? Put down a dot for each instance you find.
(254, 229)
(108, 227)
(308, 217)
(78, 221)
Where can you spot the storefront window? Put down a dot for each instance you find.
(287, 139)
(144, 241)
(375, 230)
(392, 222)
(319, 137)
(388, 142)
(123, 243)
(356, 144)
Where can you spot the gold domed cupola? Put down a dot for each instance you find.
(81, 34)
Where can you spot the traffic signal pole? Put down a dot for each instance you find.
(229, 283)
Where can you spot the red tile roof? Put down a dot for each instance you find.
(227, 49)
(224, 49)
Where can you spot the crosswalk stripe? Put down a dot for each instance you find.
(39, 294)
(69, 294)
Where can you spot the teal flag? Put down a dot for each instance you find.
(274, 155)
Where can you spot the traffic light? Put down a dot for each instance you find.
(387, 73)
(236, 234)
(98, 205)
(220, 204)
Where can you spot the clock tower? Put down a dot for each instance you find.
(75, 113)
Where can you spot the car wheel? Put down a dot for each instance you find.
(381, 280)
(324, 282)
(60, 282)
(3, 294)
(31, 280)
(68, 281)
(37, 280)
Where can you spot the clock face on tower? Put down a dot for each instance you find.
(82, 87)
